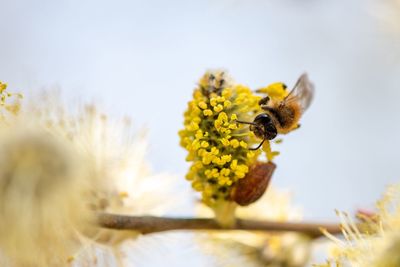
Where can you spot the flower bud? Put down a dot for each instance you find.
(254, 184)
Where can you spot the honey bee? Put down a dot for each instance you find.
(282, 116)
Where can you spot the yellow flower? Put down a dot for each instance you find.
(213, 106)
(376, 242)
(215, 142)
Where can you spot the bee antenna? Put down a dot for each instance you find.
(246, 122)
(262, 142)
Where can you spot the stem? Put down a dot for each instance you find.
(153, 224)
(225, 213)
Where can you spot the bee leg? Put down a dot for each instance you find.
(256, 148)
(297, 126)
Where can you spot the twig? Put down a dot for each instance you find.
(153, 224)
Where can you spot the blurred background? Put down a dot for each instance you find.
(143, 59)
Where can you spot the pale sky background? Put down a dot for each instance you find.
(143, 59)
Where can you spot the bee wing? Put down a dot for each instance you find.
(302, 92)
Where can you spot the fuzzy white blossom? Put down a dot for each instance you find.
(376, 242)
(255, 249)
(59, 166)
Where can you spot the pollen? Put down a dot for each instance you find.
(243, 144)
(204, 144)
(207, 112)
(225, 142)
(9, 101)
(203, 105)
(235, 143)
(213, 102)
(276, 91)
(218, 108)
(227, 103)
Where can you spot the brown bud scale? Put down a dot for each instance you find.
(251, 187)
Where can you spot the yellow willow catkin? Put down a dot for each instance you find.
(217, 145)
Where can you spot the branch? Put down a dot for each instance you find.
(153, 224)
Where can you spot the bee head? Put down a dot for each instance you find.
(264, 127)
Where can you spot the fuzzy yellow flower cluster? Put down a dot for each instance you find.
(376, 242)
(218, 146)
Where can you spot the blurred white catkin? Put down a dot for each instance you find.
(58, 166)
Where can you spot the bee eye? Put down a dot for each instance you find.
(270, 131)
